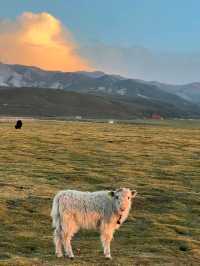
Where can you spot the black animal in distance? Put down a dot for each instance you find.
(18, 124)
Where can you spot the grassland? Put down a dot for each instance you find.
(161, 161)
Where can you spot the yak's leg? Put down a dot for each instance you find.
(70, 229)
(106, 237)
(67, 246)
(58, 243)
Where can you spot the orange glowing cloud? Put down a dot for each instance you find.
(39, 40)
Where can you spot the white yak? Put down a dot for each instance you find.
(102, 210)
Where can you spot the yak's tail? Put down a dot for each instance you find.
(55, 213)
(56, 224)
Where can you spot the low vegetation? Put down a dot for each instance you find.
(161, 161)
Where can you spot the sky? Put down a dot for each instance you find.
(145, 39)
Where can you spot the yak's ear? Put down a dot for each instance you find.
(111, 193)
(134, 193)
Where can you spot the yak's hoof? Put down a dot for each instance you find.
(59, 255)
(71, 258)
(108, 257)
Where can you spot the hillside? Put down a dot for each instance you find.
(91, 95)
(39, 102)
(189, 92)
(160, 161)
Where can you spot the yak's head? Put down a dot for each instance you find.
(123, 198)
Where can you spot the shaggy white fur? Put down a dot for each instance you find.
(102, 210)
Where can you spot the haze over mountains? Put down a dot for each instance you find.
(32, 91)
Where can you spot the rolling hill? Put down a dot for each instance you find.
(39, 102)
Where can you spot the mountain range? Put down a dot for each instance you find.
(30, 91)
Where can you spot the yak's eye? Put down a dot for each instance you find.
(117, 197)
(128, 197)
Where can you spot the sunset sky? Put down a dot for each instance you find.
(146, 39)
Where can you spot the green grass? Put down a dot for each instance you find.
(161, 161)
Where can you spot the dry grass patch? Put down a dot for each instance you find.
(161, 161)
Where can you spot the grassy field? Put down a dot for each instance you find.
(161, 161)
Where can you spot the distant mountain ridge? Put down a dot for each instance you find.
(93, 82)
(139, 98)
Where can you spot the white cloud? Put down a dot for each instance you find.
(39, 40)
